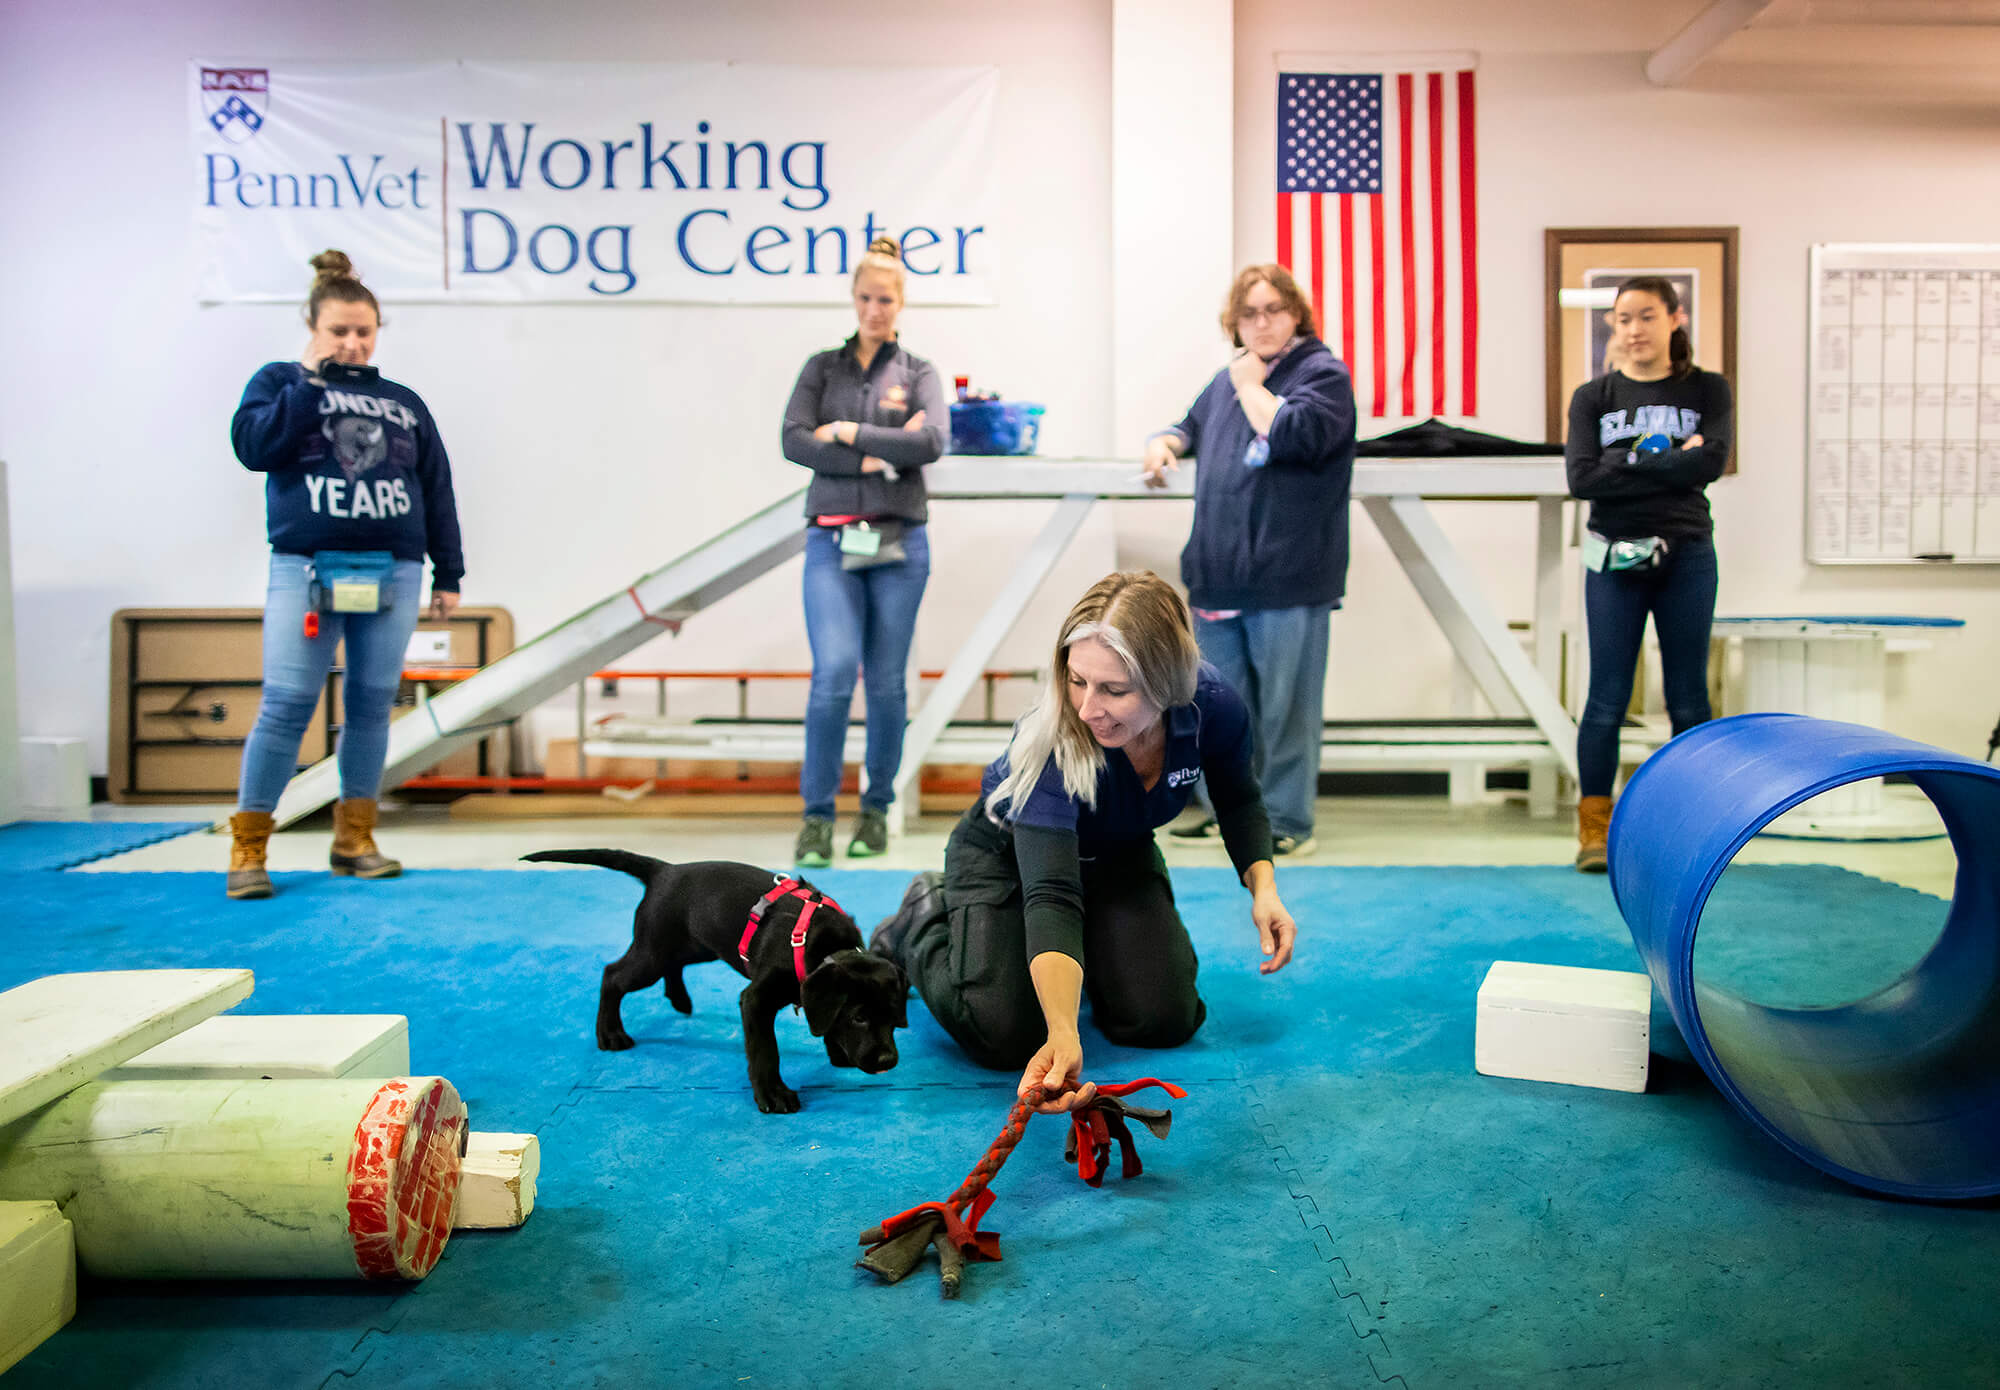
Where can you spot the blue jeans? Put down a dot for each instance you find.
(1275, 658)
(295, 668)
(1680, 594)
(858, 621)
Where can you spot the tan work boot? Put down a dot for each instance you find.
(251, 833)
(1593, 830)
(354, 853)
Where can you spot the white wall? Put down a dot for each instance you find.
(1571, 134)
(590, 443)
(10, 740)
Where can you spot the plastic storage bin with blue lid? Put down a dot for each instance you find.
(995, 427)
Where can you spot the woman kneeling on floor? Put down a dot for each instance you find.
(1055, 864)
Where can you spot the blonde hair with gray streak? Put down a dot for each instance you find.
(1144, 622)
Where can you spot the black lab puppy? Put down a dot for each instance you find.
(698, 912)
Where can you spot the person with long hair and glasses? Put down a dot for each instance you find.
(1053, 887)
(357, 489)
(865, 417)
(1644, 443)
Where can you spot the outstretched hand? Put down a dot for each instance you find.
(1275, 931)
(1057, 1068)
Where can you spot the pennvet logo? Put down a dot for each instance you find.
(236, 100)
(1182, 776)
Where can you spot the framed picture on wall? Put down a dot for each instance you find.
(1584, 267)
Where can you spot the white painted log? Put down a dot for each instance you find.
(1564, 1023)
(247, 1179)
(37, 1277)
(275, 1046)
(496, 1189)
(62, 1030)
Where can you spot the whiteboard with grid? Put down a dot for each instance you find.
(1903, 411)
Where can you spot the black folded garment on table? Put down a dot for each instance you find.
(1435, 439)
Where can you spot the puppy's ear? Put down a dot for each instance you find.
(819, 996)
(902, 998)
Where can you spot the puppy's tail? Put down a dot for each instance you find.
(640, 866)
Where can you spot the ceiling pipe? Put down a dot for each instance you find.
(1681, 54)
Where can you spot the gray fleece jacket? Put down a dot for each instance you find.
(880, 401)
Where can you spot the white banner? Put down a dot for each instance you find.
(688, 182)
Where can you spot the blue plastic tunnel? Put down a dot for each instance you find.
(1899, 1091)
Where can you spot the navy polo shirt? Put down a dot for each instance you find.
(1207, 739)
(1212, 729)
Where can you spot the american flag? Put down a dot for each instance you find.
(1377, 208)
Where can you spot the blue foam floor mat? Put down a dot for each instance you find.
(31, 845)
(1343, 1201)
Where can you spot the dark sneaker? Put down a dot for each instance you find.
(814, 849)
(871, 835)
(1203, 829)
(1293, 846)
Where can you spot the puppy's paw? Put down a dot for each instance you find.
(613, 1042)
(777, 1099)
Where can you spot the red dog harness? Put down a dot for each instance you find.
(810, 899)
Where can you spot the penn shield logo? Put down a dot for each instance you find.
(237, 100)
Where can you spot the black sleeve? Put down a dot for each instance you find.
(1595, 472)
(1051, 890)
(834, 460)
(1703, 464)
(1227, 747)
(1239, 811)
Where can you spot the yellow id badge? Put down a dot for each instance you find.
(357, 596)
(860, 540)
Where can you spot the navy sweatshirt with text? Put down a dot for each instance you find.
(355, 464)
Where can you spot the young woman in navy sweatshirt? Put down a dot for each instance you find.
(1644, 443)
(352, 463)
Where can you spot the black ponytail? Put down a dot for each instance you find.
(1680, 352)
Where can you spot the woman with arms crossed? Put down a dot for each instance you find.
(865, 418)
(1644, 443)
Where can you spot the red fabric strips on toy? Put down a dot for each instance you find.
(1094, 1126)
(897, 1244)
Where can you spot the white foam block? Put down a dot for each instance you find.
(277, 1045)
(496, 1182)
(1562, 1023)
(37, 1276)
(63, 1030)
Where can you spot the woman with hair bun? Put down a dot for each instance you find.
(1053, 887)
(865, 417)
(357, 491)
(1645, 441)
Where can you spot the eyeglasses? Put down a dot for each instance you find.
(1248, 315)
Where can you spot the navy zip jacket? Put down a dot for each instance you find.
(1275, 535)
(355, 464)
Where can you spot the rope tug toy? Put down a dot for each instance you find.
(897, 1244)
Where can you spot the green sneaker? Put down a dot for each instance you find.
(814, 849)
(871, 835)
